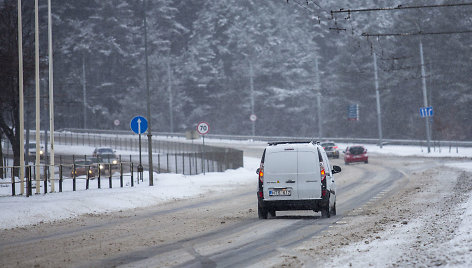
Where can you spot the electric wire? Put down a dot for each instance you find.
(399, 7)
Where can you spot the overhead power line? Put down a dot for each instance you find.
(415, 33)
(399, 7)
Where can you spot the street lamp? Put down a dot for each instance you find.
(149, 135)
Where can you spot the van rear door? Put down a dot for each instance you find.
(280, 175)
(309, 180)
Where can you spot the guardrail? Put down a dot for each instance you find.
(287, 138)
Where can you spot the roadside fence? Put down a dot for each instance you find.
(77, 171)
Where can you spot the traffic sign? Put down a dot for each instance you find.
(203, 128)
(353, 112)
(253, 117)
(139, 124)
(426, 111)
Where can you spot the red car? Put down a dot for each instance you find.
(355, 153)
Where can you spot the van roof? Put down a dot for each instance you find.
(290, 142)
(283, 146)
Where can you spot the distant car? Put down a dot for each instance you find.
(105, 158)
(82, 167)
(105, 155)
(355, 153)
(331, 149)
(32, 149)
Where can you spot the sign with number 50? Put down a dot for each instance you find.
(203, 128)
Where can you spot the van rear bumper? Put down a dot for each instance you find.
(279, 205)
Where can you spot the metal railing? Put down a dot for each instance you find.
(81, 176)
(444, 143)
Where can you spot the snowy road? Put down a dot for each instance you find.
(219, 228)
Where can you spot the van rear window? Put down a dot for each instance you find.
(280, 162)
(308, 162)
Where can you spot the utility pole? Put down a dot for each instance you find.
(377, 97)
(425, 97)
(169, 90)
(84, 90)
(21, 99)
(149, 135)
(38, 128)
(51, 99)
(251, 83)
(318, 97)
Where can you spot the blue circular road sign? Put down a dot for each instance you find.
(139, 124)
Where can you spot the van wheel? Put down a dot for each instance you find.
(272, 213)
(262, 212)
(325, 213)
(333, 210)
(366, 161)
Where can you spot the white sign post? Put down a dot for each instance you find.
(203, 128)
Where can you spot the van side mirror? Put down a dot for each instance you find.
(336, 169)
(257, 171)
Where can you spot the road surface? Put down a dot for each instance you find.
(220, 229)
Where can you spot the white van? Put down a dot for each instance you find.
(296, 176)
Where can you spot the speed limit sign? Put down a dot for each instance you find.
(203, 128)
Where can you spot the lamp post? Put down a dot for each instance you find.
(21, 99)
(51, 99)
(149, 135)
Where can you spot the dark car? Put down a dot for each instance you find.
(104, 153)
(105, 158)
(355, 153)
(82, 167)
(331, 149)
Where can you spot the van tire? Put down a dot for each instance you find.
(262, 212)
(272, 213)
(325, 213)
(333, 210)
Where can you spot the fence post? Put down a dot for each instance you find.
(88, 178)
(73, 177)
(109, 179)
(158, 163)
(190, 163)
(167, 162)
(175, 156)
(132, 177)
(183, 163)
(45, 179)
(121, 173)
(60, 178)
(12, 181)
(214, 157)
(99, 176)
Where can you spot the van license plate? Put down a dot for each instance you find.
(280, 192)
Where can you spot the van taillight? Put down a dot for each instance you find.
(323, 182)
(261, 173)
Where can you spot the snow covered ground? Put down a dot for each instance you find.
(20, 211)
